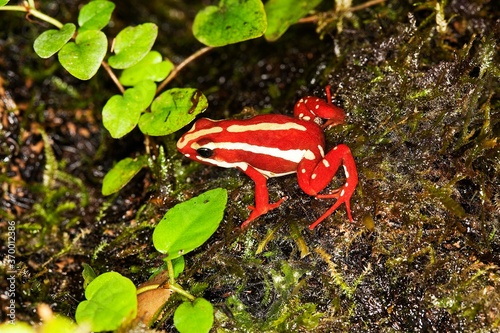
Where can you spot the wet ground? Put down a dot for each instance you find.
(423, 119)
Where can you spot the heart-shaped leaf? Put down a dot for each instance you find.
(189, 224)
(194, 317)
(151, 67)
(173, 110)
(95, 15)
(132, 44)
(122, 173)
(231, 22)
(82, 58)
(121, 113)
(51, 41)
(283, 13)
(111, 302)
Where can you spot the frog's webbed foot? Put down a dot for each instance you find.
(343, 195)
(260, 209)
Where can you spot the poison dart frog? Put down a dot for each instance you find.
(274, 145)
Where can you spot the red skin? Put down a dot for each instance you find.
(266, 136)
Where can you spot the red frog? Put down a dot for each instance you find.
(274, 145)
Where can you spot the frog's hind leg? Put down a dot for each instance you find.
(312, 182)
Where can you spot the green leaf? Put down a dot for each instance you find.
(233, 21)
(122, 173)
(121, 112)
(16, 327)
(189, 224)
(194, 317)
(3, 2)
(111, 302)
(132, 44)
(58, 324)
(151, 67)
(173, 110)
(283, 13)
(95, 15)
(51, 41)
(83, 57)
(179, 265)
(88, 275)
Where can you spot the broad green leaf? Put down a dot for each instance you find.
(151, 67)
(121, 112)
(283, 13)
(194, 317)
(189, 224)
(95, 15)
(173, 110)
(122, 173)
(3, 2)
(233, 21)
(51, 41)
(111, 302)
(132, 44)
(82, 58)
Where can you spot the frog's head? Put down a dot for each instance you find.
(197, 143)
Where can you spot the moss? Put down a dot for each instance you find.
(423, 123)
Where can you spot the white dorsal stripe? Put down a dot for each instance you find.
(265, 127)
(195, 134)
(292, 155)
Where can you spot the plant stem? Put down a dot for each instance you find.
(178, 289)
(113, 76)
(170, 268)
(174, 286)
(315, 18)
(183, 64)
(147, 288)
(31, 10)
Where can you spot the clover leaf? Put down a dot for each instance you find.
(283, 13)
(51, 41)
(82, 58)
(122, 112)
(132, 44)
(173, 110)
(231, 22)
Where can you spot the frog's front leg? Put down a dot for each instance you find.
(315, 174)
(262, 204)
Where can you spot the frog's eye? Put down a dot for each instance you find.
(205, 152)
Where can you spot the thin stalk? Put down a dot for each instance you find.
(32, 11)
(174, 286)
(183, 64)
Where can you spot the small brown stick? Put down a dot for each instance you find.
(367, 4)
(113, 76)
(183, 64)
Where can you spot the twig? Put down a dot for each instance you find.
(113, 76)
(31, 10)
(367, 4)
(183, 64)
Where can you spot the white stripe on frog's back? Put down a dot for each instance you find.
(265, 127)
(292, 155)
(194, 134)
